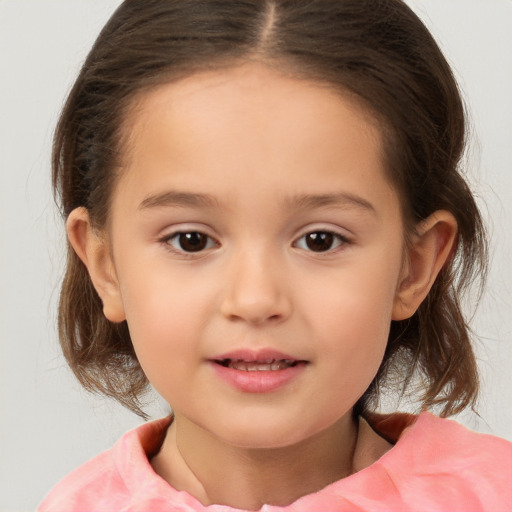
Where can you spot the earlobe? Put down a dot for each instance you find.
(93, 249)
(431, 248)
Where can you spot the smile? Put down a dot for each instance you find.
(258, 366)
(261, 371)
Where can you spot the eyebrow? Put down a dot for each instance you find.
(345, 199)
(301, 201)
(177, 198)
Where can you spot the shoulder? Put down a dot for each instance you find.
(110, 480)
(441, 456)
(444, 440)
(88, 482)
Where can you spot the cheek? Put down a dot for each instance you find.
(352, 317)
(355, 342)
(353, 351)
(164, 319)
(356, 300)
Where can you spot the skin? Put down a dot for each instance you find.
(276, 158)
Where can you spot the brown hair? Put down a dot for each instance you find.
(377, 50)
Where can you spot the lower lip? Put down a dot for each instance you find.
(258, 381)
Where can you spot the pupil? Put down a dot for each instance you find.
(319, 241)
(193, 242)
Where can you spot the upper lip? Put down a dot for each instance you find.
(265, 355)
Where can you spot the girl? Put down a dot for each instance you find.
(267, 223)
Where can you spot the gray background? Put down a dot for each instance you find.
(48, 426)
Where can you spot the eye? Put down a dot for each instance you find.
(320, 241)
(190, 241)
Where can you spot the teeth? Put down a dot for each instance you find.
(259, 366)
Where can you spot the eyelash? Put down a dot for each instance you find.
(324, 236)
(167, 241)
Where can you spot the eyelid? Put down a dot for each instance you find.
(210, 242)
(166, 239)
(325, 227)
(174, 229)
(342, 238)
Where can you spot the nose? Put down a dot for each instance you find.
(256, 289)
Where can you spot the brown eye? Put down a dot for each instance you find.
(320, 241)
(192, 241)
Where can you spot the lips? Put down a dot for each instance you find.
(257, 360)
(259, 371)
(258, 366)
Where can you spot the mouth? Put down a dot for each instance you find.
(265, 365)
(258, 371)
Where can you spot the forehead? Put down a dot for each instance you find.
(250, 122)
(246, 94)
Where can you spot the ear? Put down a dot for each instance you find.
(431, 248)
(92, 247)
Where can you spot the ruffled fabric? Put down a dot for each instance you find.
(436, 465)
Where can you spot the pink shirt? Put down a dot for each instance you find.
(436, 465)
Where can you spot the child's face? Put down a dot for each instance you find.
(294, 252)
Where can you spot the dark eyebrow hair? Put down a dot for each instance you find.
(177, 198)
(335, 199)
(301, 201)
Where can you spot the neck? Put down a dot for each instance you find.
(214, 472)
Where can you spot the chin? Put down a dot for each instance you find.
(268, 435)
